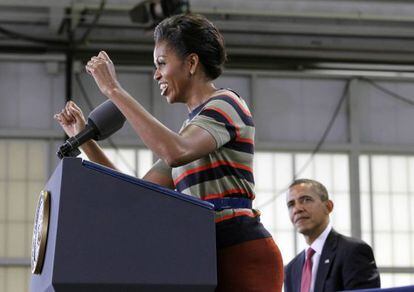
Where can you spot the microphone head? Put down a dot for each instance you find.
(106, 119)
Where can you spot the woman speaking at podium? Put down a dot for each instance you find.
(210, 158)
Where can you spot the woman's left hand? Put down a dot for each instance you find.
(103, 71)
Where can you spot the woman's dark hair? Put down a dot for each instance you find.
(193, 33)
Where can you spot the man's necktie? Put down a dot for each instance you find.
(306, 281)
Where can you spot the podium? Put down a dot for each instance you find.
(108, 231)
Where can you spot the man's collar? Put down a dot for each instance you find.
(319, 242)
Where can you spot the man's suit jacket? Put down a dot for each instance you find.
(346, 263)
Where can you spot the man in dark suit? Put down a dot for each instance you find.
(331, 262)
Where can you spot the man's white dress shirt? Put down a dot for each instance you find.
(317, 246)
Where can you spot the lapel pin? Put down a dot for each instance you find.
(327, 261)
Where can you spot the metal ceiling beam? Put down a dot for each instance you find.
(263, 30)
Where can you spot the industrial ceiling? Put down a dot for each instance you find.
(261, 33)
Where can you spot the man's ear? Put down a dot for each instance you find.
(193, 62)
(329, 206)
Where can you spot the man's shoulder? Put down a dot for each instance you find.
(347, 242)
(294, 261)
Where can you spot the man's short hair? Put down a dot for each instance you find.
(318, 188)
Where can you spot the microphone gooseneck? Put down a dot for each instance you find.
(103, 121)
(70, 147)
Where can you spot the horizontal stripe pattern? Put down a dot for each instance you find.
(240, 146)
(213, 189)
(212, 173)
(226, 172)
(229, 123)
(220, 117)
(229, 193)
(221, 114)
(240, 108)
(217, 164)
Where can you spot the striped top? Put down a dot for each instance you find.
(228, 171)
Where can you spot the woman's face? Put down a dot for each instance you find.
(171, 73)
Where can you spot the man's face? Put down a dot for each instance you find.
(308, 213)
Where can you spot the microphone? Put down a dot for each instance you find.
(102, 122)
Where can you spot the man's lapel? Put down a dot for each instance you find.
(297, 271)
(326, 260)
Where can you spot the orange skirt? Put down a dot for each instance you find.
(251, 266)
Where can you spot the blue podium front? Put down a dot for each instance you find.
(111, 232)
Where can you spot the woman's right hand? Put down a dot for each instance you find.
(71, 119)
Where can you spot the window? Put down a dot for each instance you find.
(134, 162)
(387, 201)
(22, 176)
(23, 173)
(274, 171)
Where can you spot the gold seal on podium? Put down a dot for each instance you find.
(41, 225)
